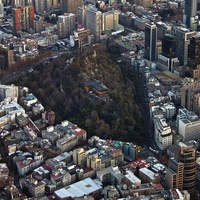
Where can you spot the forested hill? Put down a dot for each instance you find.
(60, 86)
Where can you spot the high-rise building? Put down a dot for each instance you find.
(109, 21)
(38, 24)
(65, 24)
(93, 22)
(151, 42)
(22, 18)
(183, 37)
(71, 6)
(190, 10)
(6, 57)
(39, 6)
(15, 3)
(48, 5)
(82, 15)
(188, 91)
(1, 9)
(55, 3)
(169, 45)
(187, 155)
(194, 56)
(174, 174)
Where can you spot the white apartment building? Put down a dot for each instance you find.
(162, 133)
(188, 125)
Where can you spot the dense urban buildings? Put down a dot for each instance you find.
(45, 154)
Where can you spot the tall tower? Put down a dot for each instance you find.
(93, 22)
(71, 6)
(190, 10)
(22, 18)
(39, 6)
(1, 9)
(151, 42)
(183, 37)
(65, 24)
(82, 15)
(169, 45)
(181, 170)
(194, 51)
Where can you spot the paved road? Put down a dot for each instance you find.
(15, 75)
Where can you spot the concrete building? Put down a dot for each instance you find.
(79, 155)
(38, 24)
(110, 21)
(151, 42)
(190, 11)
(183, 37)
(166, 63)
(8, 91)
(148, 176)
(65, 24)
(82, 15)
(182, 168)
(39, 6)
(71, 6)
(94, 22)
(162, 133)
(188, 125)
(22, 18)
(6, 57)
(188, 91)
(1, 9)
(131, 152)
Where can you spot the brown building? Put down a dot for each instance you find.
(71, 6)
(6, 57)
(181, 170)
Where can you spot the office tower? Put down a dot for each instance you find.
(167, 60)
(1, 9)
(22, 18)
(183, 37)
(190, 10)
(194, 56)
(151, 42)
(82, 15)
(39, 6)
(188, 125)
(93, 22)
(6, 57)
(65, 24)
(169, 45)
(71, 6)
(181, 169)
(48, 5)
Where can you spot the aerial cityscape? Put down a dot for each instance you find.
(99, 100)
